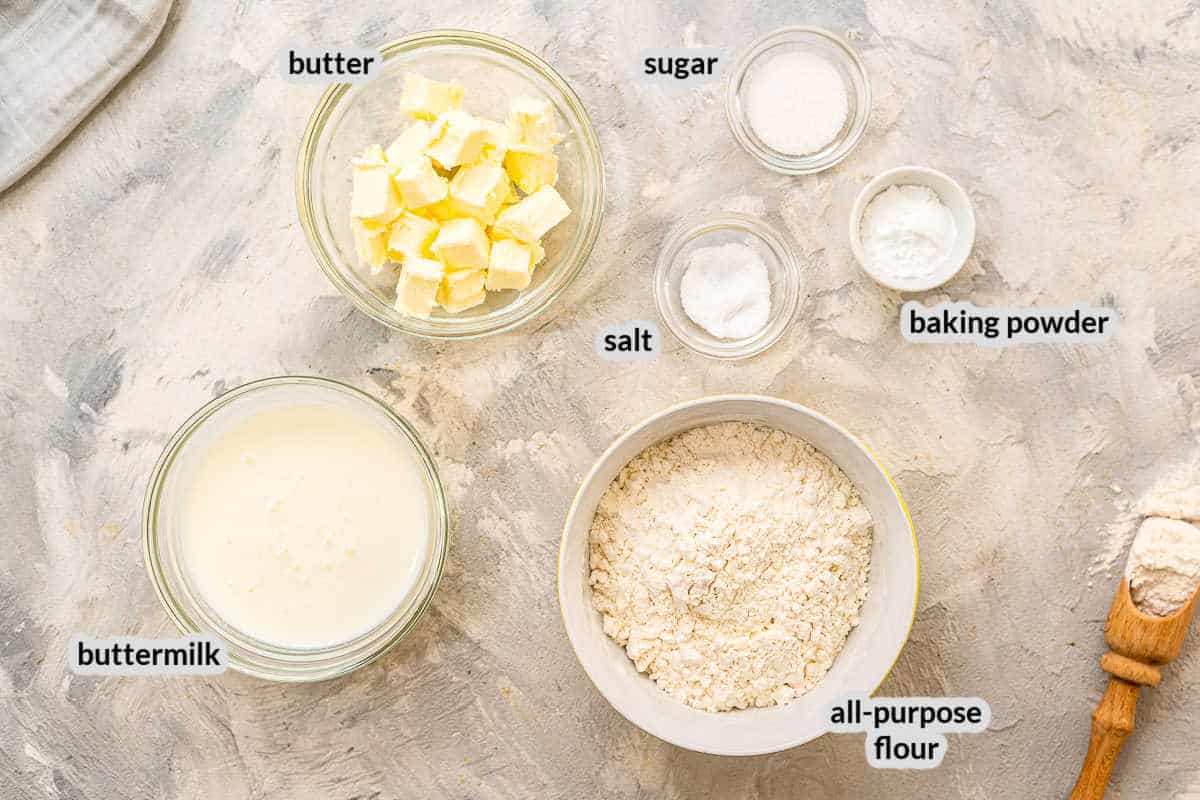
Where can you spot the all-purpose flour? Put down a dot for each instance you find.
(731, 562)
(1164, 565)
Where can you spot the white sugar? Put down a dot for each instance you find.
(797, 103)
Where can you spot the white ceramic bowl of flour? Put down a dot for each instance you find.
(955, 200)
(870, 650)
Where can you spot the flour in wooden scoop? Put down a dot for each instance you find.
(1164, 565)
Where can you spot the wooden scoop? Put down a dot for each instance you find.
(1140, 644)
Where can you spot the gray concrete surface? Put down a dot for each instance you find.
(155, 260)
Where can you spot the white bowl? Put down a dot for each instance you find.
(952, 196)
(871, 649)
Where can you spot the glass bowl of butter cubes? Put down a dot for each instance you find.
(456, 194)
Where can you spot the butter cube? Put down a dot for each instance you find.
(510, 265)
(496, 139)
(531, 171)
(373, 198)
(417, 289)
(461, 290)
(411, 143)
(477, 190)
(531, 218)
(370, 243)
(461, 140)
(426, 99)
(420, 184)
(410, 236)
(440, 211)
(463, 244)
(532, 124)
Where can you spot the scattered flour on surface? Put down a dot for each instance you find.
(1175, 495)
(753, 205)
(731, 562)
(656, 189)
(552, 452)
(56, 385)
(457, 477)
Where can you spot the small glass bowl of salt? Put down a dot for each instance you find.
(798, 100)
(726, 286)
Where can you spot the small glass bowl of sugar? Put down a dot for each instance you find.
(726, 286)
(798, 100)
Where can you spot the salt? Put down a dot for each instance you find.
(726, 290)
(797, 103)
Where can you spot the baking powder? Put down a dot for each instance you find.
(907, 232)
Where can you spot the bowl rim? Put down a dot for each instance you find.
(965, 238)
(305, 186)
(698, 225)
(338, 659)
(657, 417)
(735, 116)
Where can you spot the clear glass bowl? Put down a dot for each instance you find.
(806, 40)
(187, 608)
(782, 269)
(350, 117)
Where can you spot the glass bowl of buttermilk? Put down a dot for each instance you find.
(798, 100)
(264, 524)
(491, 73)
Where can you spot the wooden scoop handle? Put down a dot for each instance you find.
(1140, 644)
(1112, 722)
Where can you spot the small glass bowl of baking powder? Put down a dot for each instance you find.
(805, 48)
(783, 274)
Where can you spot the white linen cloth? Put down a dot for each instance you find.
(58, 59)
